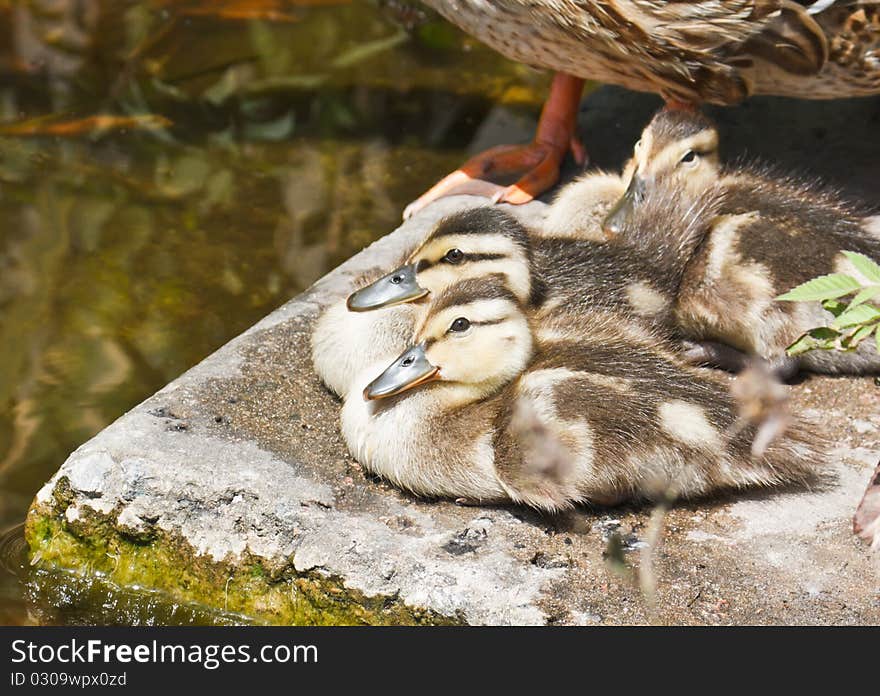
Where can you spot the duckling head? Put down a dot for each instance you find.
(474, 337)
(678, 150)
(470, 244)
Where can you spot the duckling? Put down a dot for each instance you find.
(457, 413)
(377, 321)
(545, 273)
(762, 234)
(679, 150)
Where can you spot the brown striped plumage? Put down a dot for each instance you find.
(717, 51)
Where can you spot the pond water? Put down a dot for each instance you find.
(173, 170)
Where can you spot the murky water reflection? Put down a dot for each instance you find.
(243, 158)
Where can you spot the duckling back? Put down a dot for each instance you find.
(770, 236)
(627, 420)
(583, 277)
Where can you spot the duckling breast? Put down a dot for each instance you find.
(345, 342)
(421, 443)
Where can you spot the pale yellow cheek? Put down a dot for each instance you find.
(699, 179)
(438, 278)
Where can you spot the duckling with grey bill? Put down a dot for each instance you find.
(746, 234)
(563, 272)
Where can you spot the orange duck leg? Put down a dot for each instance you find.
(540, 159)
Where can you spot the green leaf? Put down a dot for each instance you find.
(864, 265)
(862, 333)
(860, 314)
(823, 338)
(836, 307)
(853, 340)
(824, 287)
(868, 293)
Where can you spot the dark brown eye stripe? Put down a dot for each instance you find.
(489, 322)
(425, 264)
(484, 257)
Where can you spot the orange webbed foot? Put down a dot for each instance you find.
(539, 160)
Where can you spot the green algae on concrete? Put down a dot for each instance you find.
(92, 546)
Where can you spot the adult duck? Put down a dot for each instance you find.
(716, 51)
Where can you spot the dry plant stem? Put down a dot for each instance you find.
(647, 575)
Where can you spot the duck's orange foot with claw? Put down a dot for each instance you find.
(540, 159)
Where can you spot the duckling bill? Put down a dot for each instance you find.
(397, 287)
(409, 370)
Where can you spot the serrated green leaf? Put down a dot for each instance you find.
(802, 344)
(868, 293)
(864, 265)
(824, 287)
(860, 314)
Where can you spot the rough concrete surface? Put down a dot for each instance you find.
(240, 462)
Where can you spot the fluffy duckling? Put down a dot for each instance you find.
(589, 409)
(679, 150)
(547, 274)
(762, 235)
(544, 273)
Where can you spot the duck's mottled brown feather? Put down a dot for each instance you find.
(717, 51)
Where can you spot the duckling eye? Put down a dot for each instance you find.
(454, 256)
(689, 157)
(459, 325)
